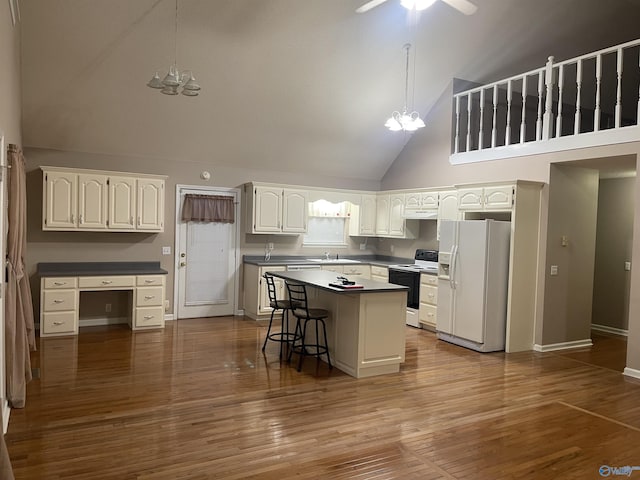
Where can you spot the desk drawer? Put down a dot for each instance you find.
(59, 323)
(428, 314)
(60, 282)
(59, 300)
(149, 317)
(149, 296)
(112, 281)
(149, 280)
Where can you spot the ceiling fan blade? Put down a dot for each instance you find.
(369, 5)
(464, 6)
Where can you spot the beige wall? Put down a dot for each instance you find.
(614, 242)
(573, 203)
(10, 77)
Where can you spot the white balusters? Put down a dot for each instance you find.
(469, 122)
(507, 138)
(548, 104)
(560, 85)
(576, 123)
(619, 90)
(523, 124)
(596, 111)
(481, 132)
(539, 118)
(495, 115)
(455, 146)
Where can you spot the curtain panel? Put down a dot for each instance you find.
(19, 328)
(208, 208)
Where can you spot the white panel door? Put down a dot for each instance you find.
(470, 280)
(92, 201)
(122, 203)
(294, 211)
(61, 200)
(207, 264)
(267, 210)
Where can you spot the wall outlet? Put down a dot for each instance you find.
(391, 248)
(166, 250)
(270, 246)
(363, 246)
(554, 270)
(166, 305)
(107, 307)
(627, 266)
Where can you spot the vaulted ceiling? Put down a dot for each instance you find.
(287, 85)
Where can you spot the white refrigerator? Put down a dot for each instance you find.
(473, 278)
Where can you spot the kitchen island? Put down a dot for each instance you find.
(366, 326)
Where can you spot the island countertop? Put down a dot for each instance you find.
(322, 278)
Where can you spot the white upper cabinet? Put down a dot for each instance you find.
(92, 201)
(96, 200)
(368, 213)
(382, 214)
(396, 215)
(489, 198)
(390, 221)
(122, 203)
(276, 209)
(150, 204)
(418, 201)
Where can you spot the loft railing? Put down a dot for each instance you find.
(596, 92)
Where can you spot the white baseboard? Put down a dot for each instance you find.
(240, 313)
(607, 329)
(168, 317)
(563, 346)
(631, 372)
(95, 322)
(6, 412)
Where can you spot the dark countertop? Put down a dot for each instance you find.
(379, 260)
(322, 278)
(90, 269)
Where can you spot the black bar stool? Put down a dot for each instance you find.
(304, 315)
(283, 336)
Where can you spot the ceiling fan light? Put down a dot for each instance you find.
(417, 4)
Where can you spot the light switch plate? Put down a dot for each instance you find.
(627, 266)
(166, 250)
(554, 270)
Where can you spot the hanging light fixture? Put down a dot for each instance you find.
(176, 81)
(409, 122)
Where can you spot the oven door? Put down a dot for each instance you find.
(408, 279)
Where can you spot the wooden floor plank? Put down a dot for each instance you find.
(199, 400)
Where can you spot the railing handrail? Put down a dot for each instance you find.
(535, 71)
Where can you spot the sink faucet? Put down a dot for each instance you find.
(326, 255)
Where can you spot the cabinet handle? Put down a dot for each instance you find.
(148, 317)
(59, 284)
(149, 281)
(149, 297)
(131, 220)
(138, 221)
(58, 323)
(58, 301)
(107, 282)
(73, 218)
(81, 219)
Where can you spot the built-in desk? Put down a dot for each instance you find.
(366, 328)
(62, 283)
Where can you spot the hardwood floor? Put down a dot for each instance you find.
(200, 401)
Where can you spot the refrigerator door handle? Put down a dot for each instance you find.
(452, 271)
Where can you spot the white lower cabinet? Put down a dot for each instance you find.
(427, 314)
(381, 274)
(357, 271)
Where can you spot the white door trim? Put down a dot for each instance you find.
(176, 242)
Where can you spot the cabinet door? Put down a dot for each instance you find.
(150, 205)
(60, 201)
(447, 208)
(368, 215)
(92, 201)
(294, 211)
(428, 200)
(498, 198)
(267, 209)
(412, 201)
(382, 215)
(470, 199)
(263, 306)
(396, 215)
(122, 203)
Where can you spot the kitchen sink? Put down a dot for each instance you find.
(332, 260)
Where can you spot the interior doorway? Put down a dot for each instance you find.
(206, 259)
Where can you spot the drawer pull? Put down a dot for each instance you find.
(429, 314)
(149, 281)
(59, 284)
(107, 282)
(148, 317)
(58, 301)
(431, 295)
(149, 297)
(58, 323)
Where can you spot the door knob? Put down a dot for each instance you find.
(183, 255)
(183, 264)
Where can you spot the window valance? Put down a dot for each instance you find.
(208, 208)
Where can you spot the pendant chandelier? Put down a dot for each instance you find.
(409, 122)
(176, 81)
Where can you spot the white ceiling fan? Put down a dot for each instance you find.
(463, 6)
